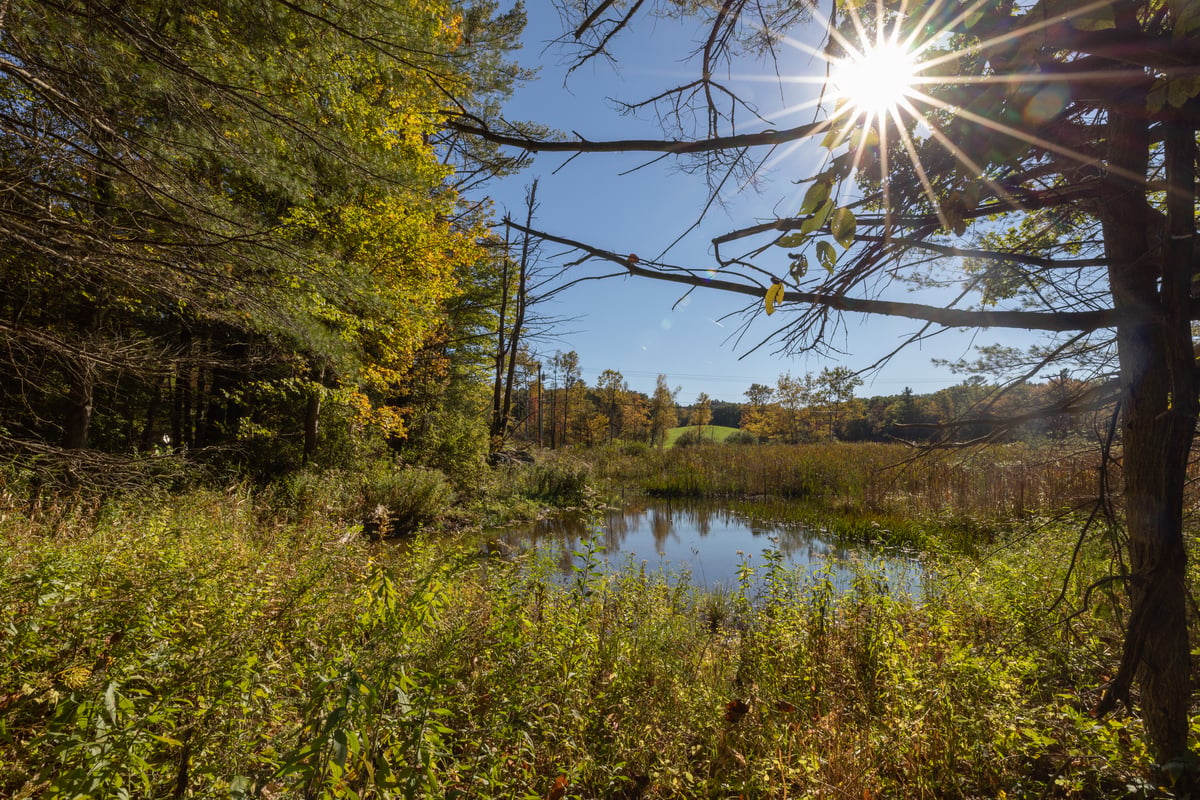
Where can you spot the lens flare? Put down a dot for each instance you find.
(876, 80)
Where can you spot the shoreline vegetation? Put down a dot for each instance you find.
(245, 643)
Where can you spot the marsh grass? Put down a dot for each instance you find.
(199, 646)
(876, 491)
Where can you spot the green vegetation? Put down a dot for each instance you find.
(875, 492)
(694, 434)
(201, 646)
(261, 255)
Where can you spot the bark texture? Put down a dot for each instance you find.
(1157, 370)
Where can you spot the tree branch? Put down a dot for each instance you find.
(948, 317)
(678, 146)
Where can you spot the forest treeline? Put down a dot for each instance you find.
(240, 233)
(555, 407)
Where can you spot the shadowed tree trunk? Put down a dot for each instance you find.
(1158, 382)
(312, 414)
(149, 437)
(80, 405)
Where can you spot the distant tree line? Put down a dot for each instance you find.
(562, 410)
(813, 408)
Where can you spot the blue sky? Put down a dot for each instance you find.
(642, 327)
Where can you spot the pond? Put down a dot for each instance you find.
(709, 542)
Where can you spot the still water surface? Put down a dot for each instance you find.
(708, 541)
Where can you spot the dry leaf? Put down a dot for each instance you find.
(558, 789)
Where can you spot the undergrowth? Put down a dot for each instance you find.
(202, 647)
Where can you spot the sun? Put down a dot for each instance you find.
(876, 80)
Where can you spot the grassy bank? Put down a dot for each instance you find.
(207, 647)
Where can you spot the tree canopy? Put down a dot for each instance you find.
(218, 214)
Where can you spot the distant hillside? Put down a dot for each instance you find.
(718, 433)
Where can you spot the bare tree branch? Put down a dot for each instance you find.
(948, 317)
(678, 146)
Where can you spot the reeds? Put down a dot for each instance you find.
(998, 482)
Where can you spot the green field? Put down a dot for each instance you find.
(718, 433)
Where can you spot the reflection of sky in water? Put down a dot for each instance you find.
(701, 538)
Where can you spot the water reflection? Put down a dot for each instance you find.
(708, 541)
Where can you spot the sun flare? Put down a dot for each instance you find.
(877, 80)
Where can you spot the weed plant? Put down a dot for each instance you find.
(202, 647)
(389, 499)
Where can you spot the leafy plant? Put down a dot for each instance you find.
(201, 645)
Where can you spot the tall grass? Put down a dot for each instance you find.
(201, 647)
(871, 482)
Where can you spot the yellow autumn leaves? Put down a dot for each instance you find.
(774, 296)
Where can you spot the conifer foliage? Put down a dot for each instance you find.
(224, 222)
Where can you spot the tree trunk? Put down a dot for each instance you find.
(1157, 371)
(499, 421)
(80, 405)
(521, 301)
(176, 400)
(312, 415)
(566, 404)
(150, 437)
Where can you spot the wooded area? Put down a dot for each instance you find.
(252, 238)
(231, 230)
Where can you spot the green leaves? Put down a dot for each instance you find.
(1079, 14)
(826, 255)
(817, 220)
(1172, 92)
(1094, 17)
(843, 225)
(799, 265)
(1186, 16)
(864, 137)
(839, 124)
(816, 195)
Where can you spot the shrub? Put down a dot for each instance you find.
(692, 438)
(388, 499)
(315, 492)
(396, 500)
(559, 478)
(635, 449)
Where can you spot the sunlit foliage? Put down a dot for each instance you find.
(226, 222)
